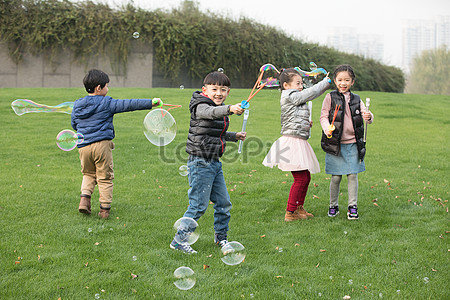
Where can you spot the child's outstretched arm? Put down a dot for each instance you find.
(301, 97)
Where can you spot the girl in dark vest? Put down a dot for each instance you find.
(343, 143)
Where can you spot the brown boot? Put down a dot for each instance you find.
(104, 212)
(85, 204)
(301, 210)
(292, 216)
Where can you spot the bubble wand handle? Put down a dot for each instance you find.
(367, 109)
(310, 116)
(244, 125)
(331, 127)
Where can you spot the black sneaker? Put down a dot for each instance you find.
(220, 239)
(352, 213)
(333, 211)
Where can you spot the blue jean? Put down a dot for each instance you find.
(207, 183)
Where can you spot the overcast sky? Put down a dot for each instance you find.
(312, 20)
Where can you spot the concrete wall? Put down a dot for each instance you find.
(65, 71)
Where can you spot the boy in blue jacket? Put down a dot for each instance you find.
(92, 116)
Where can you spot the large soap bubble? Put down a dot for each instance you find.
(233, 253)
(67, 139)
(185, 228)
(160, 127)
(185, 278)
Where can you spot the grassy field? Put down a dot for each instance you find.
(398, 249)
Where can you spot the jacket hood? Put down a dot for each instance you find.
(87, 106)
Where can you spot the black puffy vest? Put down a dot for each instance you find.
(206, 138)
(333, 145)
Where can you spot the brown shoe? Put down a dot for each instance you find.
(301, 210)
(85, 204)
(292, 216)
(104, 212)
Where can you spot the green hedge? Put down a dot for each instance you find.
(184, 40)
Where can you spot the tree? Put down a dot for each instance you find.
(430, 73)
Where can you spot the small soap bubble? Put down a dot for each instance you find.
(220, 70)
(183, 170)
(380, 295)
(398, 291)
(185, 278)
(320, 294)
(134, 258)
(233, 253)
(331, 277)
(280, 249)
(345, 232)
(97, 296)
(350, 281)
(426, 279)
(181, 87)
(67, 140)
(136, 35)
(185, 228)
(89, 229)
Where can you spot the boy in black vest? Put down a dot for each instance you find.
(205, 144)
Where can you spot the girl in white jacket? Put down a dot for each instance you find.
(292, 152)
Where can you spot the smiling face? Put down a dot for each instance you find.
(296, 83)
(217, 93)
(343, 81)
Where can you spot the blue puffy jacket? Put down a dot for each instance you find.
(92, 116)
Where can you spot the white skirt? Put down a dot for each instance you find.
(292, 154)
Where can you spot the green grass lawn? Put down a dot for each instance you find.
(398, 249)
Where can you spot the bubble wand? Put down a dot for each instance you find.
(244, 125)
(331, 127)
(245, 103)
(367, 108)
(310, 116)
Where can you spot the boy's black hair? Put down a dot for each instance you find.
(94, 78)
(216, 78)
(344, 68)
(287, 75)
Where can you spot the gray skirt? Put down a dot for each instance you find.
(347, 162)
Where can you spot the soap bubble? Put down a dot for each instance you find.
(97, 296)
(186, 278)
(181, 87)
(426, 279)
(136, 35)
(67, 139)
(134, 258)
(233, 253)
(220, 70)
(160, 127)
(183, 170)
(185, 228)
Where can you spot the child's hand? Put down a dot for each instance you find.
(156, 102)
(236, 109)
(367, 115)
(241, 135)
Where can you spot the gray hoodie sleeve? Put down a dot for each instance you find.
(208, 112)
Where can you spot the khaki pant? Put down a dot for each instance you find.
(97, 168)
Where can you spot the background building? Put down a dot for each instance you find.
(423, 35)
